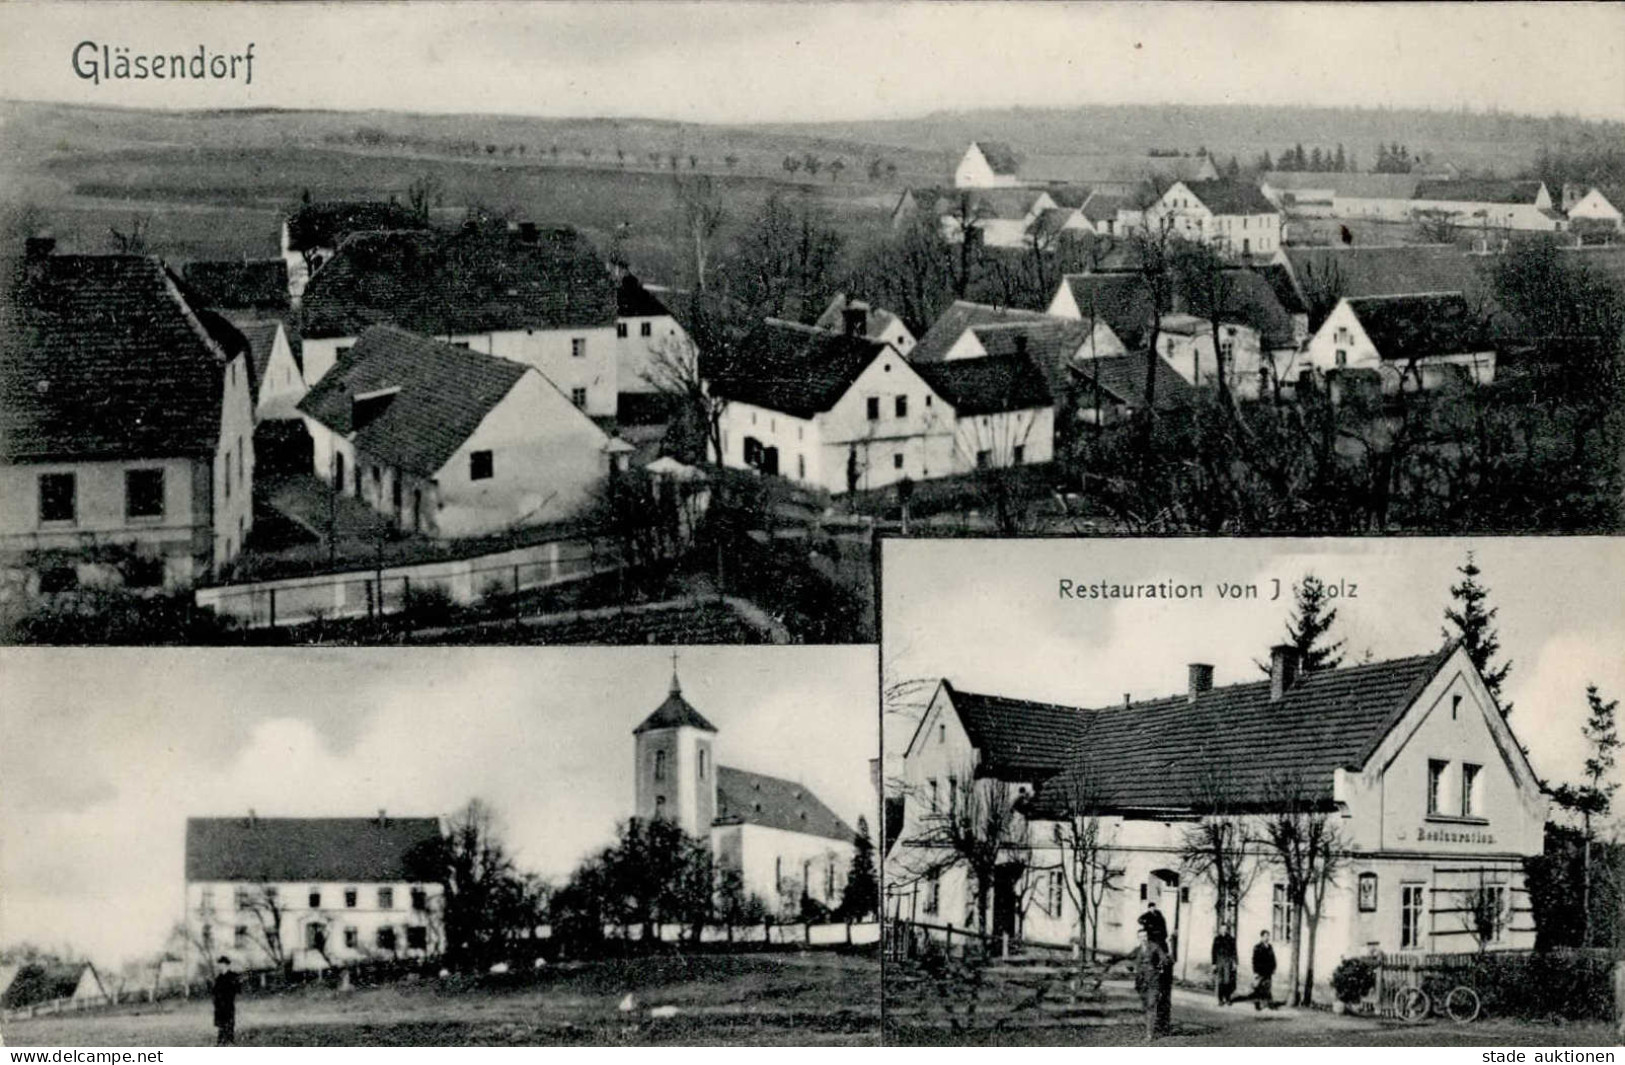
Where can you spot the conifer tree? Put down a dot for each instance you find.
(1309, 625)
(861, 898)
(1474, 626)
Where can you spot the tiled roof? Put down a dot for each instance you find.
(794, 369)
(632, 300)
(1406, 327)
(102, 356)
(1279, 279)
(1251, 300)
(227, 285)
(1052, 343)
(261, 337)
(675, 712)
(1385, 270)
(1069, 195)
(960, 316)
(326, 224)
(1469, 190)
(1051, 221)
(1017, 736)
(1123, 377)
(1152, 755)
(445, 392)
(315, 849)
(1103, 206)
(750, 798)
(1228, 196)
(38, 982)
(478, 279)
(1357, 186)
(1000, 157)
(993, 384)
(1121, 300)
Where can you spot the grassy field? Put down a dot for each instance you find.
(759, 999)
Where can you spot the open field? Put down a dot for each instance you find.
(759, 999)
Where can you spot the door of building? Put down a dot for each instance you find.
(1007, 900)
(1164, 891)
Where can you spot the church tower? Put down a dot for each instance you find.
(676, 768)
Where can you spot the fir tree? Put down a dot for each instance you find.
(1339, 161)
(1474, 627)
(1593, 799)
(861, 898)
(1309, 625)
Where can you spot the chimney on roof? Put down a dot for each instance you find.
(253, 818)
(1125, 700)
(383, 818)
(855, 319)
(1283, 670)
(1201, 679)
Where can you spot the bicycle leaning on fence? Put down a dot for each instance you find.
(1461, 1004)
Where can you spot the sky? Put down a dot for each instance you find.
(989, 617)
(729, 62)
(105, 753)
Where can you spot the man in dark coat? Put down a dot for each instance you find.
(1154, 980)
(1263, 972)
(1155, 924)
(226, 986)
(1225, 963)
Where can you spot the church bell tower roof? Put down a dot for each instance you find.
(675, 712)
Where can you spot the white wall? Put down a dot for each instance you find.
(766, 852)
(1010, 438)
(214, 904)
(1342, 332)
(234, 459)
(922, 439)
(1595, 205)
(798, 440)
(635, 352)
(974, 173)
(284, 384)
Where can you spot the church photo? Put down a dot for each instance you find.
(1373, 778)
(520, 846)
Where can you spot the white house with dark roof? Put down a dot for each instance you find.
(858, 318)
(1490, 204)
(449, 442)
(987, 165)
(279, 380)
(1419, 341)
(1410, 759)
(537, 295)
(126, 425)
(311, 892)
(1234, 216)
(644, 328)
(777, 837)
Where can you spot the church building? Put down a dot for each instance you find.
(1432, 804)
(780, 838)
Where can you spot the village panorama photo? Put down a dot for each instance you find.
(532, 847)
(645, 323)
(1253, 792)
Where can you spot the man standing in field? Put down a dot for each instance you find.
(226, 986)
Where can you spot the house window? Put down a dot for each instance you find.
(927, 401)
(1410, 915)
(58, 497)
(829, 879)
(646, 329)
(1497, 897)
(953, 793)
(480, 465)
(933, 894)
(315, 898)
(984, 459)
(1018, 453)
(239, 937)
(778, 875)
(702, 761)
(931, 785)
(417, 937)
(1055, 888)
(902, 406)
(395, 493)
(578, 347)
(208, 939)
(420, 899)
(801, 467)
(386, 898)
(349, 898)
(386, 938)
(1471, 800)
(1280, 915)
(1436, 770)
(352, 937)
(620, 329)
(897, 462)
(205, 902)
(315, 937)
(873, 403)
(143, 493)
(660, 765)
(942, 732)
(1367, 893)
(1342, 358)
(578, 396)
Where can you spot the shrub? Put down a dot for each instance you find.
(1354, 979)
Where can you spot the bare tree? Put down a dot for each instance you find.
(703, 215)
(1483, 912)
(976, 828)
(132, 241)
(1089, 872)
(422, 194)
(675, 370)
(262, 902)
(1218, 847)
(1308, 847)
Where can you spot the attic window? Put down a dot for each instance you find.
(480, 466)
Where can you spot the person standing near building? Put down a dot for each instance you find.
(1263, 972)
(1150, 960)
(226, 986)
(1225, 964)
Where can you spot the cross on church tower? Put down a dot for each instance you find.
(676, 686)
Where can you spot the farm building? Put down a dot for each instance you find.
(1419, 341)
